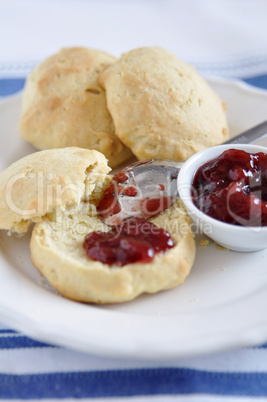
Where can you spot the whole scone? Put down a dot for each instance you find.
(161, 107)
(64, 105)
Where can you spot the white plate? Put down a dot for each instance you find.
(221, 305)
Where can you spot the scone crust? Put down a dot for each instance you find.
(59, 256)
(161, 107)
(48, 182)
(64, 105)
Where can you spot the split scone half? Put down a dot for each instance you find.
(48, 183)
(60, 189)
(161, 107)
(64, 105)
(57, 251)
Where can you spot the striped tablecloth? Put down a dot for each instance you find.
(222, 38)
(33, 370)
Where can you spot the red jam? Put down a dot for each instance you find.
(108, 204)
(135, 240)
(233, 188)
(153, 206)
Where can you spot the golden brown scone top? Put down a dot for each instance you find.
(161, 107)
(64, 105)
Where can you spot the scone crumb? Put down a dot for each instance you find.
(222, 248)
(204, 242)
(20, 259)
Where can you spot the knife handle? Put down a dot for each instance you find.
(252, 135)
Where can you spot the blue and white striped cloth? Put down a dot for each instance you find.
(34, 370)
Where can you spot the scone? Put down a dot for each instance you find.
(161, 107)
(64, 105)
(48, 183)
(60, 190)
(57, 251)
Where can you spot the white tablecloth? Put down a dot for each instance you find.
(219, 37)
